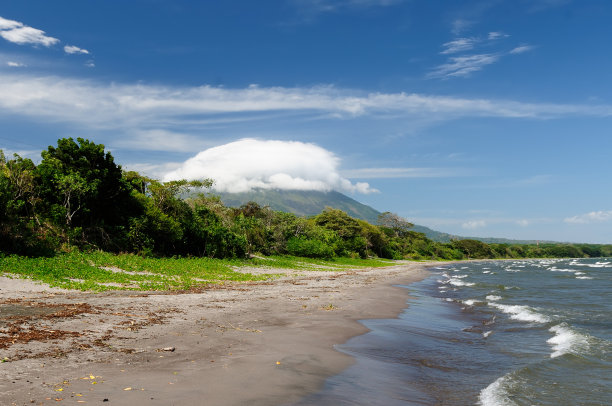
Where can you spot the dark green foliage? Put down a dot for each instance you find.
(82, 183)
(79, 198)
(83, 192)
(310, 248)
(473, 249)
(206, 236)
(349, 230)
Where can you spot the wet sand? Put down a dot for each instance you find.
(266, 343)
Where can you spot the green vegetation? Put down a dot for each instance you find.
(100, 271)
(78, 220)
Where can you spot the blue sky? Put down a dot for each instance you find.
(478, 118)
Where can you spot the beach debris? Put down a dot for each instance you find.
(166, 349)
(278, 362)
(329, 307)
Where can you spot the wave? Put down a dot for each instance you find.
(583, 277)
(598, 265)
(566, 341)
(456, 282)
(520, 312)
(493, 298)
(495, 394)
(555, 269)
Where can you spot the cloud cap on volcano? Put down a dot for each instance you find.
(249, 164)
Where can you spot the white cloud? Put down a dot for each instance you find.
(90, 64)
(387, 173)
(463, 65)
(140, 106)
(18, 33)
(13, 64)
(459, 45)
(153, 170)
(521, 49)
(71, 49)
(246, 164)
(493, 35)
(474, 224)
(161, 140)
(523, 222)
(9, 24)
(592, 217)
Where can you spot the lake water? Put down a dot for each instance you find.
(528, 332)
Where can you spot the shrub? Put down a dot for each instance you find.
(305, 247)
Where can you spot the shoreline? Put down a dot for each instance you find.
(256, 343)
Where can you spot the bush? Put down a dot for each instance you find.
(304, 247)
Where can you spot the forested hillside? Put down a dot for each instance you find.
(79, 198)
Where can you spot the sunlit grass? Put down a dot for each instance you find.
(101, 271)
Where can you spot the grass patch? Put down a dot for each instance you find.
(289, 262)
(100, 271)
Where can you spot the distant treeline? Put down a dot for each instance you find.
(79, 198)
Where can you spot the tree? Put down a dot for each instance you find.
(18, 186)
(84, 192)
(350, 231)
(473, 248)
(399, 225)
(21, 231)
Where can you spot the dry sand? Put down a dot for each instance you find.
(257, 343)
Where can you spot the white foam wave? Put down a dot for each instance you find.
(459, 276)
(555, 269)
(520, 312)
(512, 270)
(486, 271)
(578, 273)
(487, 333)
(495, 394)
(471, 302)
(456, 282)
(493, 298)
(583, 277)
(566, 340)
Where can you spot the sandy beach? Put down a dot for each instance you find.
(268, 343)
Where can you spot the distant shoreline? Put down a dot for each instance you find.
(250, 343)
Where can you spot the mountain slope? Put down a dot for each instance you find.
(310, 203)
(302, 203)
